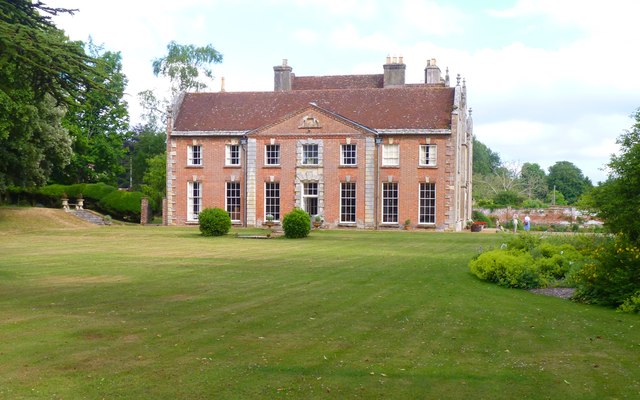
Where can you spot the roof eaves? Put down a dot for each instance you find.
(208, 133)
(414, 131)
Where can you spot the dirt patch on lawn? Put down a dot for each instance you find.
(563, 293)
(83, 280)
(181, 297)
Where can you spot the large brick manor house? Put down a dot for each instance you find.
(365, 151)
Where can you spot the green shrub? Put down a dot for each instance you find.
(214, 222)
(507, 268)
(533, 203)
(524, 241)
(481, 217)
(613, 277)
(97, 191)
(631, 304)
(122, 205)
(296, 224)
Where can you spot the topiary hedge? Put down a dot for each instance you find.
(122, 205)
(101, 197)
(296, 224)
(214, 222)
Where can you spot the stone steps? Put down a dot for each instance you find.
(88, 216)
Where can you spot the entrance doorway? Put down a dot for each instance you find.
(310, 198)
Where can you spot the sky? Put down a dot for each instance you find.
(548, 80)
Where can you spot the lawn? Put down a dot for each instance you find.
(130, 312)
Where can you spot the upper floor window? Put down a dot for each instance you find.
(272, 154)
(194, 155)
(310, 154)
(391, 154)
(348, 154)
(428, 154)
(232, 154)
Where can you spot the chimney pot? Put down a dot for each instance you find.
(283, 77)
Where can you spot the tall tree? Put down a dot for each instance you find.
(533, 181)
(144, 144)
(40, 69)
(618, 199)
(565, 177)
(98, 124)
(184, 64)
(485, 161)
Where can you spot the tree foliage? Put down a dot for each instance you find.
(533, 181)
(184, 64)
(565, 177)
(617, 200)
(485, 161)
(98, 124)
(155, 181)
(40, 71)
(42, 56)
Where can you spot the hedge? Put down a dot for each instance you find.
(101, 197)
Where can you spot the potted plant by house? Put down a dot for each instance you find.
(477, 226)
(317, 221)
(407, 224)
(269, 220)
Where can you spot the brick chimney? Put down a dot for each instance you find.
(432, 72)
(394, 72)
(282, 77)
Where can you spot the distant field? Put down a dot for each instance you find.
(131, 312)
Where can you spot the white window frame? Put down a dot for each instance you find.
(427, 202)
(310, 190)
(267, 158)
(310, 154)
(232, 159)
(430, 150)
(390, 205)
(233, 192)
(348, 152)
(194, 155)
(390, 155)
(348, 205)
(272, 207)
(194, 200)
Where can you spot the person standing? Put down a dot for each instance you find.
(515, 223)
(527, 223)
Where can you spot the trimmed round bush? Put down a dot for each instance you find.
(296, 224)
(214, 222)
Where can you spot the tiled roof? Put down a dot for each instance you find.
(337, 82)
(421, 107)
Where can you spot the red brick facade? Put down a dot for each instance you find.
(329, 150)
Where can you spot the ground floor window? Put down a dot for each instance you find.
(310, 197)
(347, 202)
(232, 200)
(272, 200)
(194, 200)
(390, 202)
(427, 212)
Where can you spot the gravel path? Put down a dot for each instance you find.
(564, 293)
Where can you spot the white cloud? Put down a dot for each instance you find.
(348, 37)
(306, 36)
(429, 17)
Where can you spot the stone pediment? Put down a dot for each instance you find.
(313, 120)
